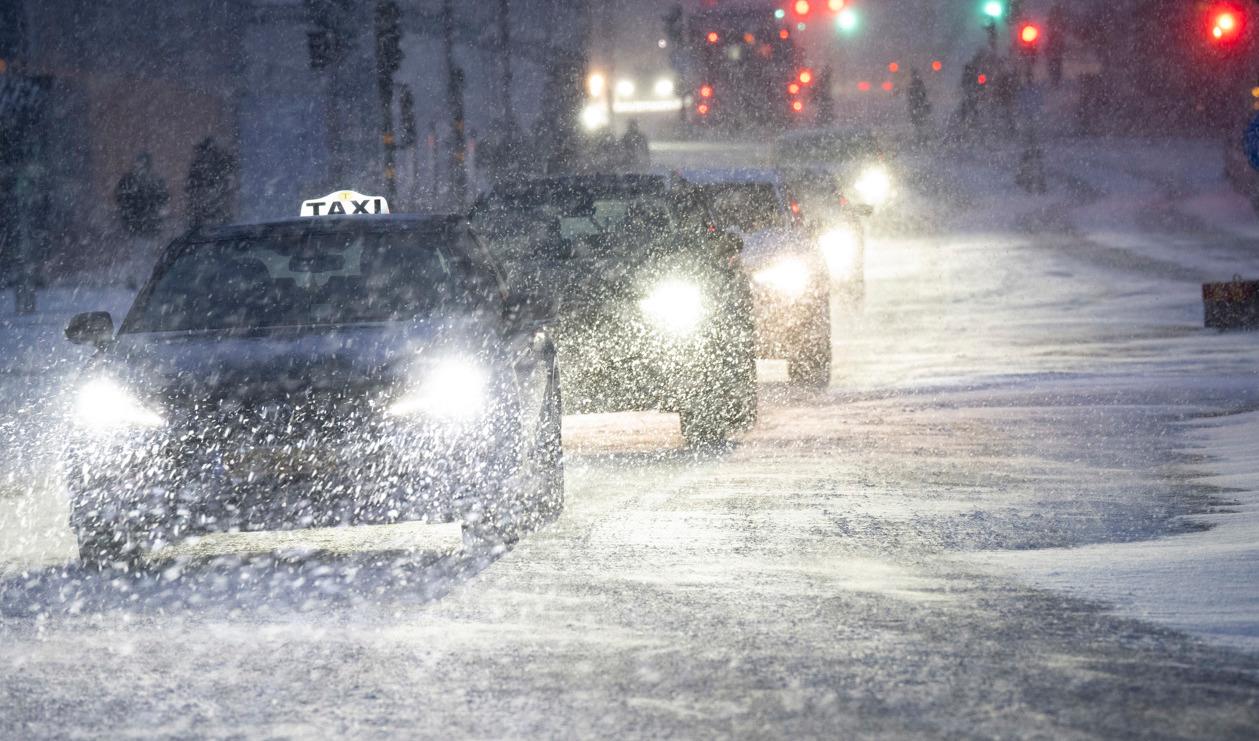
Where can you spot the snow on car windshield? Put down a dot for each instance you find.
(300, 280)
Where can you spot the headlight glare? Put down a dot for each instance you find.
(841, 249)
(874, 186)
(451, 390)
(674, 306)
(788, 277)
(103, 404)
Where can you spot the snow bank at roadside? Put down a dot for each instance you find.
(1205, 583)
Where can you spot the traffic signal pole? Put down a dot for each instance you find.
(388, 59)
(504, 62)
(454, 102)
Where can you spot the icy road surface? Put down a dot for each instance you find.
(896, 557)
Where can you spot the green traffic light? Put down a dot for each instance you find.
(994, 9)
(847, 20)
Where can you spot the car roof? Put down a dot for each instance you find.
(612, 183)
(743, 175)
(390, 222)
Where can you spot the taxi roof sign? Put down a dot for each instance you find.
(345, 203)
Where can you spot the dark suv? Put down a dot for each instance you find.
(655, 309)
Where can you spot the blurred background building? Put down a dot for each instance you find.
(87, 88)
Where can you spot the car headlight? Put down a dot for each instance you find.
(103, 404)
(788, 277)
(875, 185)
(451, 390)
(841, 249)
(675, 306)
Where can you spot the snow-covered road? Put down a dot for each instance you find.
(985, 527)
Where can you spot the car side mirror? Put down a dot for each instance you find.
(93, 327)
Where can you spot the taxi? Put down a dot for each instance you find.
(346, 367)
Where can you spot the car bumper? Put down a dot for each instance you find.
(175, 490)
(782, 324)
(608, 366)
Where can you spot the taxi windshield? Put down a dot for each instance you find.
(306, 279)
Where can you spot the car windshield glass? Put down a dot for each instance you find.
(302, 279)
(749, 207)
(580, 223)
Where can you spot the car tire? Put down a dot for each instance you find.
(493, 531)
(856, 293)
(810, 364)
(724, 400)
(551, 454)
(705, 424)
(743, 393)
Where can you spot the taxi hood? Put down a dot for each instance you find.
(282, 362)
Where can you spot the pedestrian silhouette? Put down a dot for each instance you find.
(211, 185)
(636, 152)
(141, 197)
(919, 104)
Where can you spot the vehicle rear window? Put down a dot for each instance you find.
(749, 207)
(579, 222)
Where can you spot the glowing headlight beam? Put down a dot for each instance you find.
(594, 116)
(874, 186)
(789, 277)
(674, 306)
(451, 390)
(840, 248)
(103, 404)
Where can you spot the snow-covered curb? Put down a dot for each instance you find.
(1205, 583)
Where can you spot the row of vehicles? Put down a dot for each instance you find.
(352, 367)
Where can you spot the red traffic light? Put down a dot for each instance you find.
(1029, 34)
(705, 91)
(713, 37)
